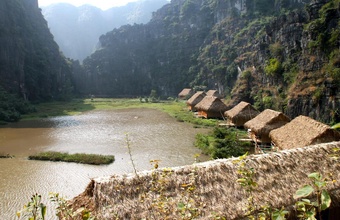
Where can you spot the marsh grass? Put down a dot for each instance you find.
(176, 109)
(93, 159)
(4, 155)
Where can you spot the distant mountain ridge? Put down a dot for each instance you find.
(77, 29)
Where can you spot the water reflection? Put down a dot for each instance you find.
(153, 135)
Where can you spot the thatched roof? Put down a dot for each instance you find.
(303, 131)
(196, 98)
(214, 186)
(266, 121)
(211, 103)
(185, 92)
(241, 113)
(213, 92)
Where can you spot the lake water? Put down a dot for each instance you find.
(153, 135)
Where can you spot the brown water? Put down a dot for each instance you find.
(153, 135)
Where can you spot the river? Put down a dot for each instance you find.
(153, 135)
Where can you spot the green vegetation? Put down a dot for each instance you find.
(36, 210)
(273, 68)
(176, 109)
(223, 143)
(306, 208)
(249, 185)
(3, 155)
(93, 159)
(12, 107)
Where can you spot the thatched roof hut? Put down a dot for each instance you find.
(303, 131)
(185, 93)
(211, 107)
(213, 92)
(241, 113)
(195, 99)
(212, 186)
(263, 123)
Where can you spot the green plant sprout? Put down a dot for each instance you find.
(308, 209)
(34, 209)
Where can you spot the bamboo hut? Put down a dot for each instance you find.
(302, 131)
(213, 92)
(262, 124)
(240, 114)
(185, 93)
(195, 99)
(211, 107)
(214, 188)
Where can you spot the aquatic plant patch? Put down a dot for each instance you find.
(93, 159)
(3, 155)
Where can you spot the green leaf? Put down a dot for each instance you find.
(320, 184)
(242, 180)
(303, 192)
(325, 200)
(315, 176)
(336, 126)
(181, 205)
(43, 210)
(279, 214)
(306, 201)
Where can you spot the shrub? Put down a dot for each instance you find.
(222, 143)
(274, 67)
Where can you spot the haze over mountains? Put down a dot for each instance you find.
(77, 29)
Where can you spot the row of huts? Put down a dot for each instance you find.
(217, 192)
(264, 128)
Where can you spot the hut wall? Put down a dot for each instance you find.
(211, 114)
(202, 113)
(265, 139)
(238, 121)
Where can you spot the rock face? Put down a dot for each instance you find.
(282, 55)
(30, 63)
(77, 29)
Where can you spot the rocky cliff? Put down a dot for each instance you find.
(31, 66)
(281, 54)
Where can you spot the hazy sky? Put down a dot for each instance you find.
(103, 4)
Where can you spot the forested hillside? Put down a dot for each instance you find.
(77, 29)
(281, 54)
(31, 67)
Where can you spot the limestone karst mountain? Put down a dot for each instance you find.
(77, 29)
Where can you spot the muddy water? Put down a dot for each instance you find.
(153, 135)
